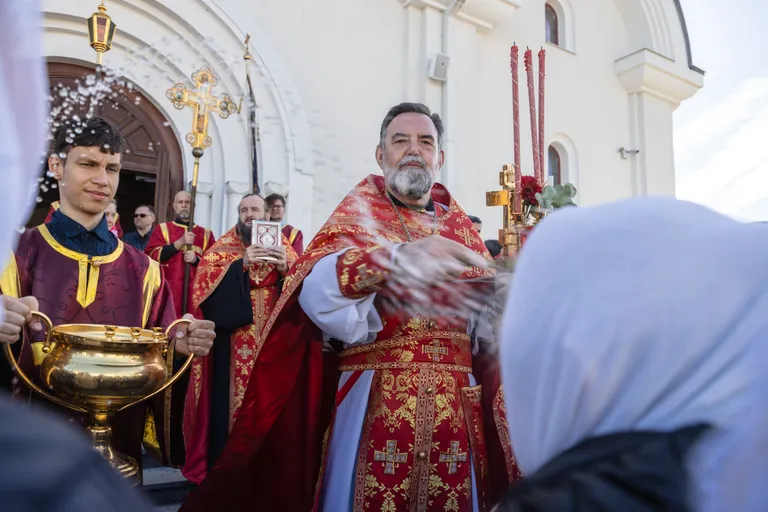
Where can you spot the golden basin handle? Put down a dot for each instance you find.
(46, 348)
(176, 375)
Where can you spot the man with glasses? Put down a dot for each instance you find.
(143, 219)
(276, 211)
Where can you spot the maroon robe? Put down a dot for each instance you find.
(166, 234)
(295, 238)
(125, 288)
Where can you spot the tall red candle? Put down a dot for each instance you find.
(532, 104)
(518, 199)
(541, 177)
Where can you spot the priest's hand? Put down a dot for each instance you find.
(188, 238)
(190, 257)
(254, 253)
(279, 254)
(18, 313)
(195, 338)
(436, 259)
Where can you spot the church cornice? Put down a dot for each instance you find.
(647, 71)
(484, 14)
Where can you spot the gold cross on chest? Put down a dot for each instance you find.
(466, 235)
(244, 352)
(202, 102)
(453, 457)
(435, 350)
(390, 458)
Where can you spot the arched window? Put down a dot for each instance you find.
(552, 25)
(555, 169)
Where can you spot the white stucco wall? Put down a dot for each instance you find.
(328, 71)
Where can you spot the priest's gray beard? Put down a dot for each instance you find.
(410, 179)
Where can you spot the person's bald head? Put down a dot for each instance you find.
(182, 202)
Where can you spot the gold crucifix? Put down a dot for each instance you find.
(509, 235)
(203, 102)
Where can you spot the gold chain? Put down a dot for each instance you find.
(402, 221)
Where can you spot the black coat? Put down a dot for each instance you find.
(626, 472)
(47, 465)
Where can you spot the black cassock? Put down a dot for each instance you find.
(229, 307)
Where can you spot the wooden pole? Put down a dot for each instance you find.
(197, 153)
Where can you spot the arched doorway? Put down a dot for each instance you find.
(152, 169)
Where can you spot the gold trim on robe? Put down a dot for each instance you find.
(164, 231)
(9, 279)
(152, 283)
(88, 266)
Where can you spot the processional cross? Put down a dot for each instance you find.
(203, 102)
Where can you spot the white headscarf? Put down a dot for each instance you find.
(649, 313)
(24, 107)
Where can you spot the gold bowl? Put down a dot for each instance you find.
(100, 370)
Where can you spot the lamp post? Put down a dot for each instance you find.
(101, 29)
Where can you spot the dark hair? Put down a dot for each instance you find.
(411, 108)
(494, 247)
(271, 198)
(475, 220)
(93, 131)
(252, 194)
(148, 207)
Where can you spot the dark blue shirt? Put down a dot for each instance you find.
(135, 239)
(97, 242)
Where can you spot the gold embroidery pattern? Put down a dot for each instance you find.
(405, 366)
(409, 341)
(424, 427)
(500, 418)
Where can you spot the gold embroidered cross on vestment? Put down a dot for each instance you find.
(244, 352)
(435, 350)
(390, 458)
(466, 235)
(453, 457)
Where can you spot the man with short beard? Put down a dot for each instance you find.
(385, 290)
(175, 248)
(239, 289)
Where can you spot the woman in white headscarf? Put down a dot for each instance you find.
(634, 361)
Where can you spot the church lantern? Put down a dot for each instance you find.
(101, 29)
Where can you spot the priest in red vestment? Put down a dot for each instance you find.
(377, 312)
(237, 290)
(113, 218)
(75, 271)
(175, 248)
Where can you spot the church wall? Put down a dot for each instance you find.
(585, 102)
(351, 60)
(325, 74)
(346, 58)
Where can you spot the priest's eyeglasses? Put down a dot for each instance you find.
(140, 215)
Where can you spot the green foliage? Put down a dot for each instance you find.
(557, 196)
